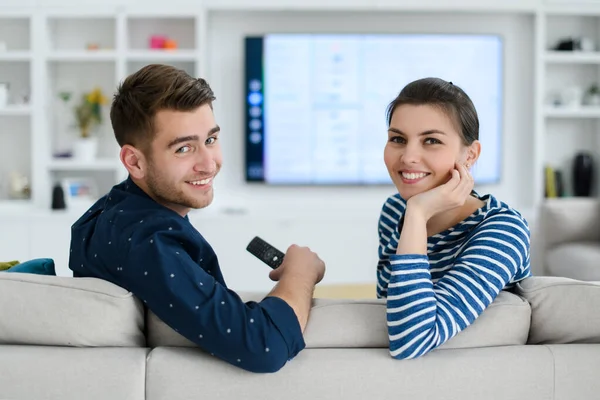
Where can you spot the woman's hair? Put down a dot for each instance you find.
(448, 97)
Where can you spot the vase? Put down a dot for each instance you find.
(85, 149)
(583, 174)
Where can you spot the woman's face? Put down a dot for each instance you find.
(422, 149)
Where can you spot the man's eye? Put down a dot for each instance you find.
(183, 149)
(211, 140)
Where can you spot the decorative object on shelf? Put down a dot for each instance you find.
(583, 174)
(4, 94)
(58, 197)
(162, 42)
(550, 182)
(88, 114)
(592, 96)
(78, 192)
(92, 46)
(572, 96)
(575, 44)
(19, 188)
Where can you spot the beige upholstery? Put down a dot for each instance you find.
(347, 355)
(570, 238)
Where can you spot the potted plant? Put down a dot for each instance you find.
(88, 114)
(592, 96)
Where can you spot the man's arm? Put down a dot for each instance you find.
(258, 337)
(300, 271)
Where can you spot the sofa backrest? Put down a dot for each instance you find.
(86, 312)
(362, 324)
(62, 311)
(563, 310)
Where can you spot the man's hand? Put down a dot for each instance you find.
(300, 262)
(297, 276)
(452, 194)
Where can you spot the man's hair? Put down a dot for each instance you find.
(448, 97)
(153, 88)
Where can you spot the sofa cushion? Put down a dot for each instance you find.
(563, 310)
(62, 311)
(66, 373)
(40, 266)
(341, 323)
(507, 373)
(579, 261)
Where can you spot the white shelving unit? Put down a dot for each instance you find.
(74, 50)
(16, 63)
(563, 77)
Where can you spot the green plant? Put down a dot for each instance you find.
(89, 112)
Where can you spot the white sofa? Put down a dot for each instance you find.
(66, 338)
(570, 237)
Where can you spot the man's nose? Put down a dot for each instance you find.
(204, 160)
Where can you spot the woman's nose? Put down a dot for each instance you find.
(411, 154)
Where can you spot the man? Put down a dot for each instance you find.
(138, 236)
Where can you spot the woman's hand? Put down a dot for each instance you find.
(452, 194)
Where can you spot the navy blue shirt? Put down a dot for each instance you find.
(132, 241)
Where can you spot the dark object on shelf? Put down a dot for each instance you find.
(583, 174)
(569, 44)
(58, 198)
(559, 183)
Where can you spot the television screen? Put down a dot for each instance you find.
(316, 103)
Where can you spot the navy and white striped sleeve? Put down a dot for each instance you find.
(387, 228)
(256, 336)
(422, 315)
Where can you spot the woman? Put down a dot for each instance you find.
(445, 252)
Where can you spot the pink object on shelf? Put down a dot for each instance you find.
(157, 41)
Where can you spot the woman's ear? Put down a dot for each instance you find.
(134, 161)
(473, 151)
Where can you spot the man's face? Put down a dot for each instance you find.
(183, 159)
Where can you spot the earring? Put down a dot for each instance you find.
(468, 165)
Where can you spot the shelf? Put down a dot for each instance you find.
(576, 57)
(11, 111)
(84, 55)
(15, 56)
(572, 112)
(162, 55)
(75, 165)
(15, 207)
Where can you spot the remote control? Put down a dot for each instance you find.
(265, 252)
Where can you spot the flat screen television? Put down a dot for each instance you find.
(315, 104)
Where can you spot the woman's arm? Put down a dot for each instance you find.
(391, 213)
(423, 315)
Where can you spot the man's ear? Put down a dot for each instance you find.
(134, 161)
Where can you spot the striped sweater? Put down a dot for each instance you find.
(431, 298)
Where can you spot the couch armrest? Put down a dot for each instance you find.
(570, 220)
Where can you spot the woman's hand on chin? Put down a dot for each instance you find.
(448, 196)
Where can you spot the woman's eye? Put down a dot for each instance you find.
(432, 141)
(183, 149)
(397, 139)
(211, 140)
